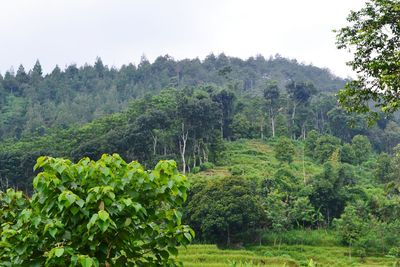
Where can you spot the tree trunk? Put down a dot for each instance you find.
(228, 241)
(304, 167)
(154, 143)
(293, 116)
(182, 146)
(205, 154)
(272, 123)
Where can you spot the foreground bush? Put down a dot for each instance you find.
(104, 213)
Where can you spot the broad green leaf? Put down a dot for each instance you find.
(103, 215)
(59, 252)
(85, 261)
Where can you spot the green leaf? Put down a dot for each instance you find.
(103, 215)
(80, 202)
(85, 261)
(92, 221)
(59, 252)
(103, 225)
(53, 232)
(173, 251)
(188, 236)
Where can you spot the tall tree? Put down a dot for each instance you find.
(300, 94)
(271, 95)
(373, 37)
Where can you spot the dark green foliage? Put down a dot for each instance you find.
(311, 143)
(325, 146)
(362, 148)
(222, 210)
(384, 168)
(347, 154)
(328, 195)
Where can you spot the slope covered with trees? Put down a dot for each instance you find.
(32, 102)
(277, 141)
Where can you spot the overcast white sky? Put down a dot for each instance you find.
(120, 31)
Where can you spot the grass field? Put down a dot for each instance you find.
(294, 255)
(255, 159)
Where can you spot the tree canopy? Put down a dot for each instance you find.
(373, 37)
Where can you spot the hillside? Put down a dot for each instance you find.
(32, 102)
(283, 241)
(280, 163)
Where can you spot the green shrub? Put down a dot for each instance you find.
(206, 166)
(91, 213)
(196, 169)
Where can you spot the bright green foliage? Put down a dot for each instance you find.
(284, 150)
(362, 148)
(91, 213)
(373, 37)
(350, 225)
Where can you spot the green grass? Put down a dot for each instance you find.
(211, 256)
(284, 255)
(302, 237)
(255, 159)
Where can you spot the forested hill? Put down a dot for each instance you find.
(32, 102)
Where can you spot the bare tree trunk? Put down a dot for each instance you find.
(272, 117)
(194, 153)
(222, 128)
(262, 131)
(199, 153)
(228, 241)
(182, 146)
(304, 167)
(205, 154)
(293, 116)
(303, 131)
(154, 143)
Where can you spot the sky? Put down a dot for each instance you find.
(64, 32)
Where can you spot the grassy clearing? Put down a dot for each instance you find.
(274, 256)
(302, 237)
(255, 159)
(211, 256)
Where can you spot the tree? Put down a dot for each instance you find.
(284, 150)
(221, 210)
(91, 213)
(310, 143)
(347, 154)
(383, 168)
(325, 146)
(373, 37)
(271, 95)
(351, 225)
(362, 148)
(37, 72)
(300, 94)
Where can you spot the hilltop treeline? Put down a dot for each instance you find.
(32, 102)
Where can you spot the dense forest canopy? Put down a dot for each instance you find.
(32, 102)
(183, 110)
